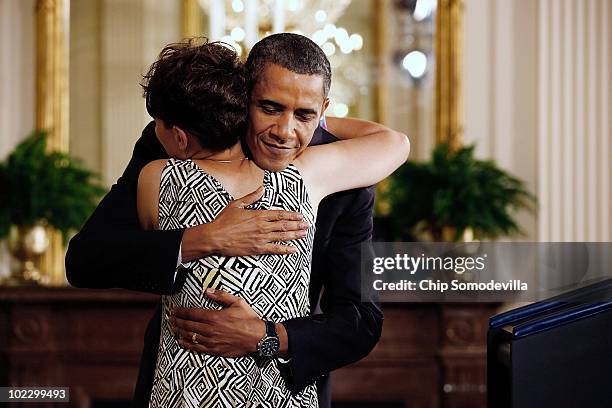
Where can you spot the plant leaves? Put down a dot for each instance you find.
(37, 185)
(454, 189)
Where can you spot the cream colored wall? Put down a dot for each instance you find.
(122, 63)
(17, 89)
(17, 62)
(537, 86)
(574, 110)
(500, 73)
(85, 74)
(118, 40)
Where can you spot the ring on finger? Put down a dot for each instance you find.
(194, 340)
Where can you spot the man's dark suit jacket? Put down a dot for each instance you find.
(112, 250)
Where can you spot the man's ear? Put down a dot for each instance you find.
(324, 108)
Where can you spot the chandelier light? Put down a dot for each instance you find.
(259, 17)
(241, 23)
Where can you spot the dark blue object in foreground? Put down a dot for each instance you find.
(553, 353)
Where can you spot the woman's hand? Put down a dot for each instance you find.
(238, 231)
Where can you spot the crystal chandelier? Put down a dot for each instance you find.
(305, 16)
(241, 23)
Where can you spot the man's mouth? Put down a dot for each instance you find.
(278, 149)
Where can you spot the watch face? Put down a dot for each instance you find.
(269, 347)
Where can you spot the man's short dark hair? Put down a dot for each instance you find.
(294, 52)
(200, 87)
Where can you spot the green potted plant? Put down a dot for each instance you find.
(39, 189)
(454, 192)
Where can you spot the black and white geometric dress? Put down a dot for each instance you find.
(275, 286)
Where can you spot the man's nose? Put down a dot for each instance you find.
(284, 129)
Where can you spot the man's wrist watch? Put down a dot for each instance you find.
(269, 345)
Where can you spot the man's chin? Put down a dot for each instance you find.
(271, 164)
(277, 166)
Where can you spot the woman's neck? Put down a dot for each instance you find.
(233, 153)
(238, 175)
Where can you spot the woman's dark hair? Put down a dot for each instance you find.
(291, 51)
(200, 87)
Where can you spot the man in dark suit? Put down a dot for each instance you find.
(123, 255)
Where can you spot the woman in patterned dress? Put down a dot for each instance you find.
(197, 94)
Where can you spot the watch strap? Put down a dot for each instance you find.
(270, 329)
